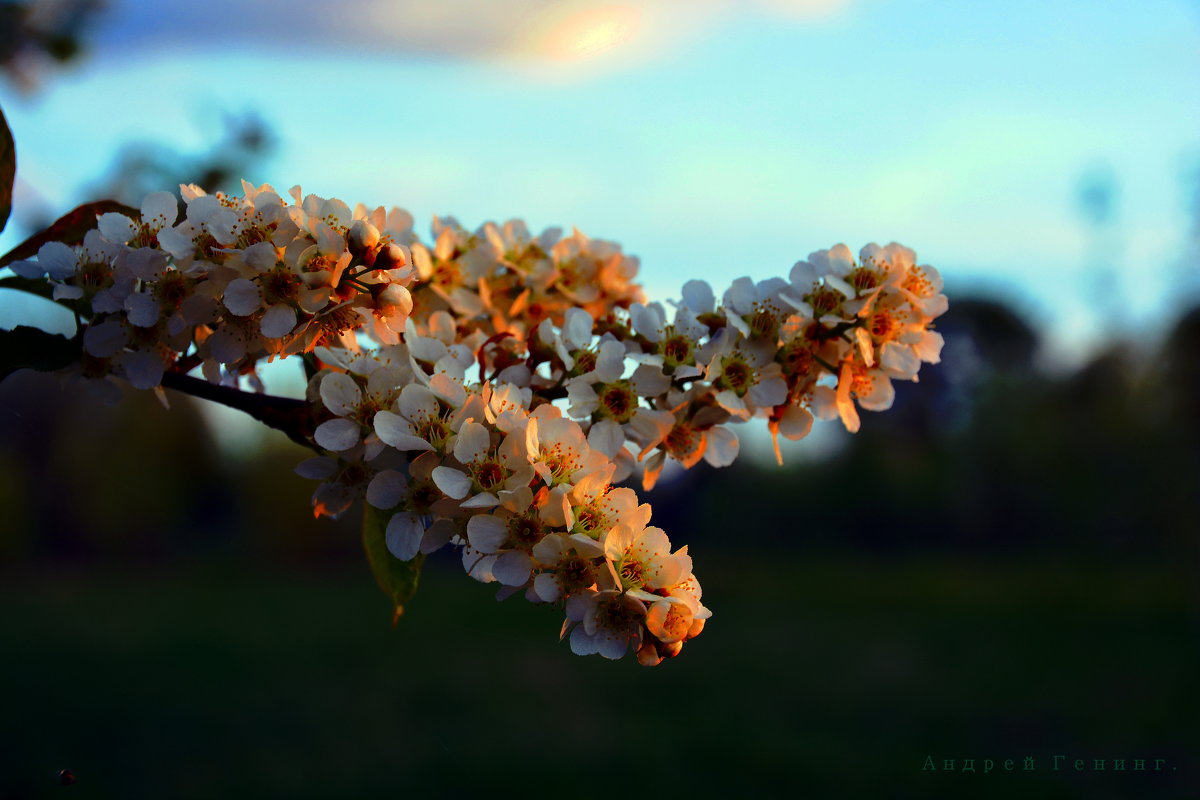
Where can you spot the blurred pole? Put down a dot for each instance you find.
(1096, 202)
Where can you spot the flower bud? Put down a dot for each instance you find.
(391, 256)
(647, 654)
(651, 652)
(361, 238)
(669, 650)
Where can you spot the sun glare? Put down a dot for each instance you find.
(588, 33)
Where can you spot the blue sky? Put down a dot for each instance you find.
(712, 140)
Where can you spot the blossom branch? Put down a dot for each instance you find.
(526, 485)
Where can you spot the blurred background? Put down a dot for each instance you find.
(1004, 565)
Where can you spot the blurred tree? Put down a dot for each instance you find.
(1096, 199)
(1179, 376)
(37, 35)
(144, 167)
(79, 480)
(140, 168)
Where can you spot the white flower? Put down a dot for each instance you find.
(746, 377)
(507, 406)
(880, 269)
(611, 401)
(159, 210)
(818, 287)
(356, 409)
(830, 403)
(756, 310)
(559, 451)
(597, 506)
(676, 346)
(642, 558)
(575, 335)
(512, 535)
(568, 566)
(422, 423)
(610, 623)
(676, 614)
(386, 312)
(486, 470)
(343, 480)
(54, 259)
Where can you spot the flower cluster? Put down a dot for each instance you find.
(491, 390)
(651, 385)
(516, 487)
(236, 280)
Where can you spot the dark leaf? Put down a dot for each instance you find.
(8, 170)
(38, 286)
(397, 578)
(32, 348)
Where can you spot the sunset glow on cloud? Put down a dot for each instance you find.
(587, 33)
(525, 32)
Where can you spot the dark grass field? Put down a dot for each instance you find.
(818, 676)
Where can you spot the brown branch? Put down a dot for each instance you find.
(293, 417)
(552, 392)
(26, 347)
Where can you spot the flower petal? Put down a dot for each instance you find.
(512, 568)
(242, 297)
(698, 296)
(143, 369)
(159, 210)
(337, 434)
(116, 228)
(396, 431)
(340, 393)
(403, 535)
(318, 468)
(57, 259)
(486, 533)
(454, 483)
(722, 449)
(141, 309)
(606, 436)
(472, 443)
(387, 489)
(796, 423)
(417, 402)
(278, 321)
(28, 269)
(104, 340)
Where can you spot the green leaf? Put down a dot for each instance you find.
(70, 228)
(398, 579)
(32, 348)
(8, 170)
